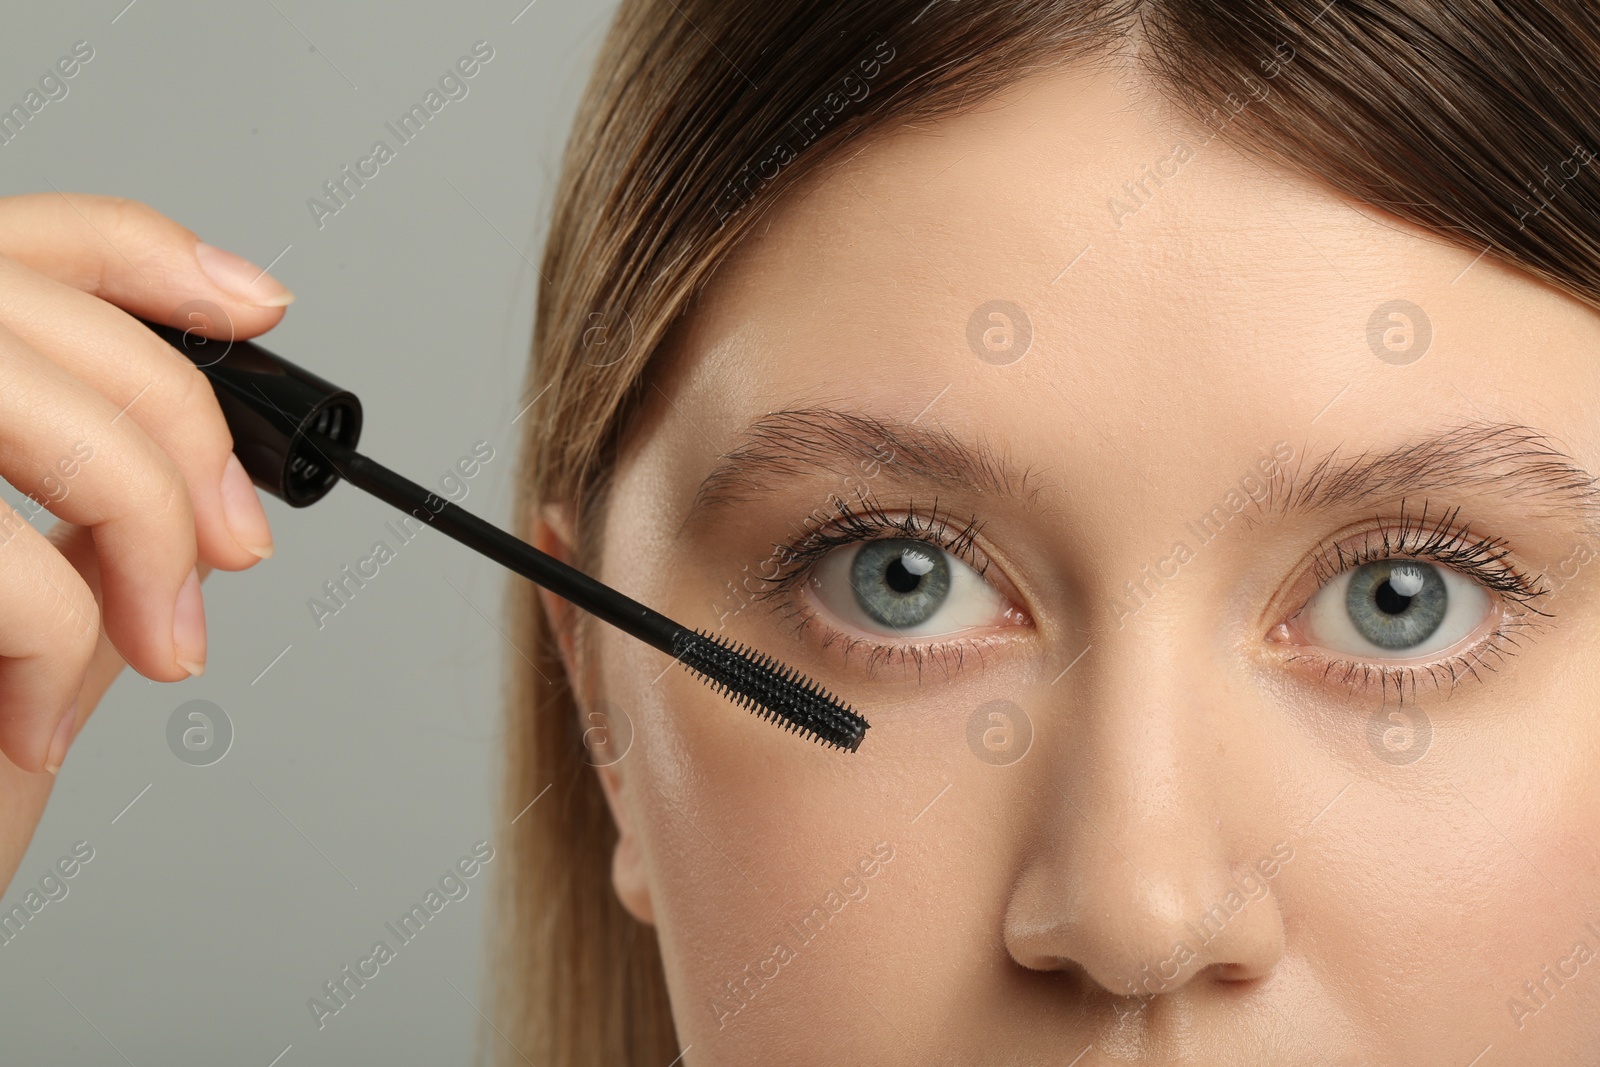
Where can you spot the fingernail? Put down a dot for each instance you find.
(241, 277)
(189, 626)
(242, 511)
(63, 738)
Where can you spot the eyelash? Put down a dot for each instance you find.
(852, 526)
(1444, 543)
(1450, 545)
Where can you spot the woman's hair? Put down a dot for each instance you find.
(1473, 119)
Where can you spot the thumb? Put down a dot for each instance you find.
(129, 254)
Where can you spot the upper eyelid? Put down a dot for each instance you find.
(1399, 534)
(871, 514)
(1444, 533)
(1510, 564)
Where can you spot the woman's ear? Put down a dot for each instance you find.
(553, 534)
(627, 862)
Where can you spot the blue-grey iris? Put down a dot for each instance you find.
(1396, 604)
(900, 582)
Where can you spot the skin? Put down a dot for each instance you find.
(1182, 750)
(157, 496)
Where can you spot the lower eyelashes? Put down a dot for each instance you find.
(1388, 600)
(1383, 603)
(1358, 676)
(875, 655)
(878, 597)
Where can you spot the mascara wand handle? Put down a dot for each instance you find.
(296, 433)
(269, 404)
(598, 599)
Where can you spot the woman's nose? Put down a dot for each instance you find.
(1156, 845)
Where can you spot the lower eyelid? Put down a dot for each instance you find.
(949, 651)
(1500, 636)
(832, 637)
(1283, 634)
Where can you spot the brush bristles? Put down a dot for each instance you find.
(771, 690)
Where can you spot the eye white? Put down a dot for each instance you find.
(970, 603)
(1326, 617)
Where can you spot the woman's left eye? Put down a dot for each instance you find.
(902, 587)
(1395, 608)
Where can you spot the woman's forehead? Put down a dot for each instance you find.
(1074, 265)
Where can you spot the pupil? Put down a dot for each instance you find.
(900, 579)
(1389, 601)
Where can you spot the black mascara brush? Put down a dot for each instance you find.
(296, 434)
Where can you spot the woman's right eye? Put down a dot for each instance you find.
(903, 587)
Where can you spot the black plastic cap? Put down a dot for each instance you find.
(269, 403)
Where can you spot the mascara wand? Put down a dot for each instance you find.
(296, 434)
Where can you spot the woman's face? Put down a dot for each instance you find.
(1226, 621)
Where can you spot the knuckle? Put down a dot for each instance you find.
(192, 418)
(197, 400)
(125, 214)
(85, 624)
(136, 230)
(173, 497)
(72, 624)
(166, 495)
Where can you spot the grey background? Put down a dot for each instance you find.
(365, 761)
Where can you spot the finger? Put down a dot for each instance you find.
(118, 481)
(131, 255)
(51, 627)
(76, 545)
(157, 387)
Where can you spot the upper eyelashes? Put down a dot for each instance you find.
(927, 582)
(1446, 541)
(1409, 590)
(1404, 590)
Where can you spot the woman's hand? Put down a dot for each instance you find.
(120, 437)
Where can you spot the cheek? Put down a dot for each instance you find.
(1431, 899)
(750, 834)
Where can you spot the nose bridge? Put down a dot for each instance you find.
(1144, 879)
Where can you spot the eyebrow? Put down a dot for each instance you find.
(794, 442)
(1510, 460)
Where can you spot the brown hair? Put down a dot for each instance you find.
(1473, 119)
